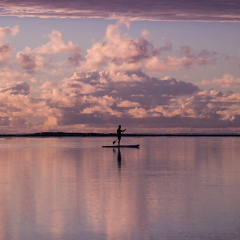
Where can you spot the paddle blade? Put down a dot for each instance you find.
(114, 141)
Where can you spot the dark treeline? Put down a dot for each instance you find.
(68, 134)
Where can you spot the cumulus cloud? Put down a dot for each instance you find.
(17, 88)
(118, 91)
(9, 75)
(187, 59)
(95, 95)
(226, 81)
(128, 104)
(7, 31)
(19, 112)
(184, 10)
(212, 106)
(57, 45)
(5, 49)
(41, 57)
(120, 53)
(5, 53)
(74, 59)
(151, 101)
(94, 98)
(30, 61)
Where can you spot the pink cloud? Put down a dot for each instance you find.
(118, 91)
(183, 10)
(5, 49)
(227, 81)
(42, 57)
(92, 96)
(19, 111)
(101, 106)
(56, 45)
(7, 31)
(5, 53)
(173, 63)
(212, 105)
(31, 61)
(128, 104)
(74, 59)
(27, 61)
(117, 53)
(9, 75)
(22, 88)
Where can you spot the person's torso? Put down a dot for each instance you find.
(119, 131)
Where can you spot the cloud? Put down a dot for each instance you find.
(74, 59)
(212, 106)
(4, 121)
(117, 53)
(151, 102)
(56, 45)
(207, 111)
(226, 81)
(145, 33)
(17, 88)
(94, 98)
(119, 90)
(19, 112)
(187, 59)
(5, 53)
(9, 75)
(234, 59)
(184, 10)
(42, 57)
(96, 95)
(128, 104)
(5, 49)
(29, 61)
(7, 31)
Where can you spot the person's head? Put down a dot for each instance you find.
(119, 126)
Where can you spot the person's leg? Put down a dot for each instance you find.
(119, 139)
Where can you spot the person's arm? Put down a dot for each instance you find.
(124, 130)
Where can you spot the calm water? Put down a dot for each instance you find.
(72, 189)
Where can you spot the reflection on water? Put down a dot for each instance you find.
(71, 188)
(119, 158)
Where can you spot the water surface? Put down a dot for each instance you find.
(172, 188)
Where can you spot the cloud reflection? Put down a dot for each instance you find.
(66, 188)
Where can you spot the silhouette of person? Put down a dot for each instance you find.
(119, 134)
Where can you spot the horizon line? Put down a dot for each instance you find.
(89, 134)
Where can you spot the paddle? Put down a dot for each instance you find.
(114, 141)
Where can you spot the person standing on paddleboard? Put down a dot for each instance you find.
(119, 133)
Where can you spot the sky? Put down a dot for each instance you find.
(151, 66)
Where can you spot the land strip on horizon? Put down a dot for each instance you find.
(73, 134)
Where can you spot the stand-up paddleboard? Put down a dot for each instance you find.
(122, 146)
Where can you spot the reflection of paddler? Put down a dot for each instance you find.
(119, 159)
(119, 133)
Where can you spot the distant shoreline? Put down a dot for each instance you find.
(66, 134)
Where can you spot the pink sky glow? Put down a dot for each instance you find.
(147, 86)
